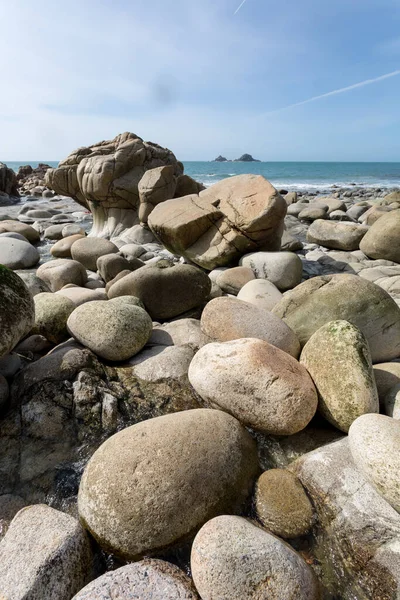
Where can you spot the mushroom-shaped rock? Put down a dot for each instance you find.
(114, 332)
(150, 579)
(346, 297)
(226, 319)
(17, 311)
(105, 178)
(375, 447)
(233, 559)
(154, 484)
(166, 290)
(338, 358)
(262, 386)
(214, 228)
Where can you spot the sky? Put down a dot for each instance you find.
(202, 77)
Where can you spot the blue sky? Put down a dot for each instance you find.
(195, 77)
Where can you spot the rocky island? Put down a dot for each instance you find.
(243, 158)
(199, 388)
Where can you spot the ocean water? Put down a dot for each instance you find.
(290, 175)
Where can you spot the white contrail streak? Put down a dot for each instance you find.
(335, 92)
(239, 7)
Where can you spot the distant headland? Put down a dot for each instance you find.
(243, 158)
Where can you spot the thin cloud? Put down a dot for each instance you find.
(239, 7)
(335, 92)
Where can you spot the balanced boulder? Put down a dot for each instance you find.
(262, 386)
(214, 228)
(226, 319)
(166, 291)
(338, 358)
(114, 332)
(346, 297)
(155, 483)
(233, 559)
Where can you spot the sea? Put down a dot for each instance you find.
(300, 176)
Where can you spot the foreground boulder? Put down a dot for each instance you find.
(113, 331)
(149, 579)
(147, 488)
(346, 297)
(232, 559)
(17, 311)
(375, 447)
(262, 386)
(105, 178)
(237, 215)
(45, 554)
(165, 290)
(357, 533)
(338, 359)
(225, 319)
(382, 240)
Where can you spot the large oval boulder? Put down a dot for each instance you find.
(375, 448)
(338, 358)
(113, 331)
(61, 271)
(17, 310)
(226, 319)
(166, 291)
(51, 315)
(262, 386)
(154, 484)
(214, 228)
(149, 579)
(336, 235)
(233, 559)
(87, 250)
(344, 297)
(383, 238)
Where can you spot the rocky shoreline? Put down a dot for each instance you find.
(199, 388)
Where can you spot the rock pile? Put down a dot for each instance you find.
(201, 393)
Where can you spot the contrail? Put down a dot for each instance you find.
(335, 92)
(239, 7)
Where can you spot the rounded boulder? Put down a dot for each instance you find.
(51, 315)
(226, 319)
(262, 386)
(154, 484)
(166, 291)
(261, 293)
(114, 332)
(283, 269)
(338, 358)
(87, 250)
(344, 297)
(233, 559)
(17, 310)
(150, 579)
